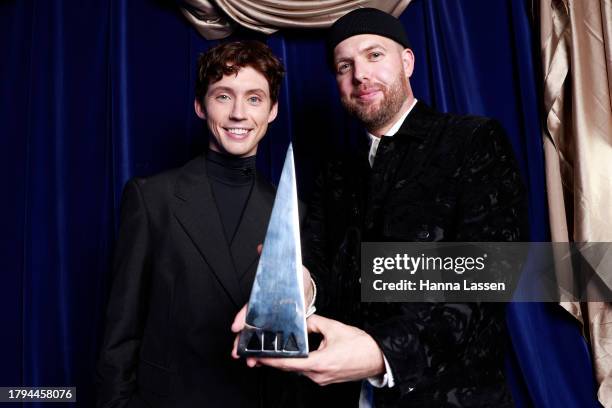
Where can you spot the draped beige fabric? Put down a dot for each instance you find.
(267, 16)
(576, 40)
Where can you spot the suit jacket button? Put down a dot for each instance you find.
(423, 234)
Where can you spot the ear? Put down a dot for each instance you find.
(199, 109)
(408, 61)
(273, 112)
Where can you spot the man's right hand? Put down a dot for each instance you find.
(346, 353)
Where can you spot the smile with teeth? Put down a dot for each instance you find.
(237, 131)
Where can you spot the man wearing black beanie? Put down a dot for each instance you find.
(426, 176)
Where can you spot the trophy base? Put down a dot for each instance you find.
(256, 342)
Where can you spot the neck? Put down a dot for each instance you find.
(230, 161)
(229, 169)
(381, 130)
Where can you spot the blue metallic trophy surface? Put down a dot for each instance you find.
(276, 316)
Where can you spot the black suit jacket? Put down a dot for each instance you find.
(177, 287)
(440, 178)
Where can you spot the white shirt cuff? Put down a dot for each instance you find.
(311, 307)
(385, 380)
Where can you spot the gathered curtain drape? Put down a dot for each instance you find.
(215, 19)
(576, 42)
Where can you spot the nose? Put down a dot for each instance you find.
(360, 72)
(237, 112)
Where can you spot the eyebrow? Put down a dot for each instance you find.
(231, 90)
(257, 90)
(372, 47)
(363, 51)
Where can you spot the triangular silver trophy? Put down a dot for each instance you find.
(276, 319)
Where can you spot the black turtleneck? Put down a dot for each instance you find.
(231, 179)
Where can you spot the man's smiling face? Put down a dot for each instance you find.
(237, 110)
(372, 76)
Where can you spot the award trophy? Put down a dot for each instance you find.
(276, 316)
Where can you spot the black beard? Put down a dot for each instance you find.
(393, 99)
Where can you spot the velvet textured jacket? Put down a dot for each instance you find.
(177, 287)
(442, 177)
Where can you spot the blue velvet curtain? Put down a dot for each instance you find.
(95, 92)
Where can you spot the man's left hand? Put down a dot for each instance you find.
(346, 353)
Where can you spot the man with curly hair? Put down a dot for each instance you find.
(181, 271)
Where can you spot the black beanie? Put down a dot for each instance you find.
(366, 21)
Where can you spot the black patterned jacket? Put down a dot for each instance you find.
(440, 178)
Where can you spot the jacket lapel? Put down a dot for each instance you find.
(197, 213)
(408, 144)
(252, 228)
(416, 135)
